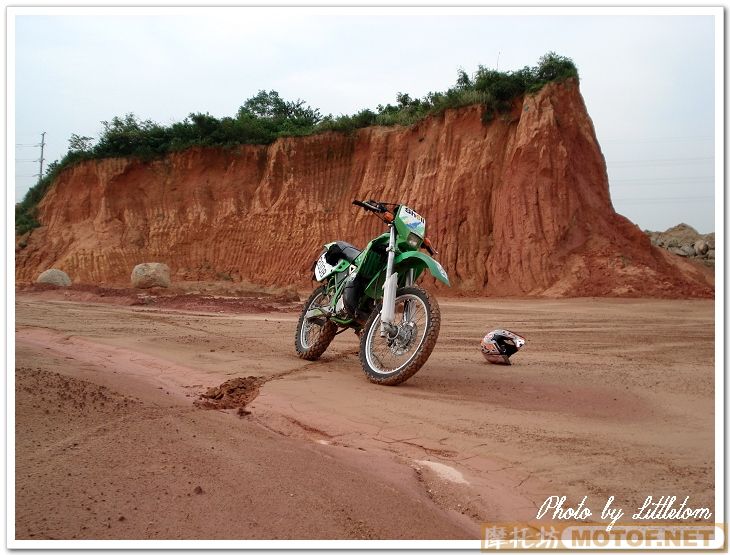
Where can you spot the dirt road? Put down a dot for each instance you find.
(608, 398)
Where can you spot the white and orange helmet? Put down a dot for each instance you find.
(498, 345)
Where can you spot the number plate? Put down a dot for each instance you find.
(322, 269)
(413, 221)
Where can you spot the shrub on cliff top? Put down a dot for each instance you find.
(266, 116)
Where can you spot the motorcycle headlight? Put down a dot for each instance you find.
(413, 240)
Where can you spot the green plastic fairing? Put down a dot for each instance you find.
(419, 261)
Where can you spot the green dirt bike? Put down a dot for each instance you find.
(373, 292)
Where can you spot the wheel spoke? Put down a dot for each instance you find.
(310, 330)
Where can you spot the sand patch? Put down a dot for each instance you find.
(446, 472)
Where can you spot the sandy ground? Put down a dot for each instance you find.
(608, 398)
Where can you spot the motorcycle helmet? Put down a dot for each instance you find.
(498, 345)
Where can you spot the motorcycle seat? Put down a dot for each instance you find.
(342, 250)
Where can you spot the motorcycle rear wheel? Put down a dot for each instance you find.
(393, 359)
(313, 338)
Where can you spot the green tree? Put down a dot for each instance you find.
(269, 105)
(78, 143)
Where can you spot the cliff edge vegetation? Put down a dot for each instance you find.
(266, 117)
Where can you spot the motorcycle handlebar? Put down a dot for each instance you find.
(371, 205)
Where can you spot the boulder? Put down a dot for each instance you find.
(683, 233)
(54, 277)
(290, 295)
(677, 250)
(711, 254)
(701, 247)
(151, 274)
(688, 250)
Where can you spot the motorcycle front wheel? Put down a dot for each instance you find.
(393, 357)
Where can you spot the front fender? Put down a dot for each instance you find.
(419, 261)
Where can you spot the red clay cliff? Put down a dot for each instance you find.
(518, 205)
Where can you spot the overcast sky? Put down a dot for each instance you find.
(648, 81)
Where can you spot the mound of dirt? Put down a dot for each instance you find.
(65, 397)
(232, 394)
(174, 298)
(204, 303)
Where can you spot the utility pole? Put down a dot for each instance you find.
(43, 144)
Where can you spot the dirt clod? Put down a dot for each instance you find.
(235, 393)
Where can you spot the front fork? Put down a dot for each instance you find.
(387, 311)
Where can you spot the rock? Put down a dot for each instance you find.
(198, 490)
(143, 299)
(290, 295)
(701, 247)
(711, 254)
(54, 277)
(688, 250)
(683, 240)
(682, 232)
(151, 274)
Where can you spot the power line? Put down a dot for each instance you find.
(668, 184)
(660, 161)
(667, 178)
(653, 182)
(43, 145)
(40, 160)
(661, 200)
(660, 139)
